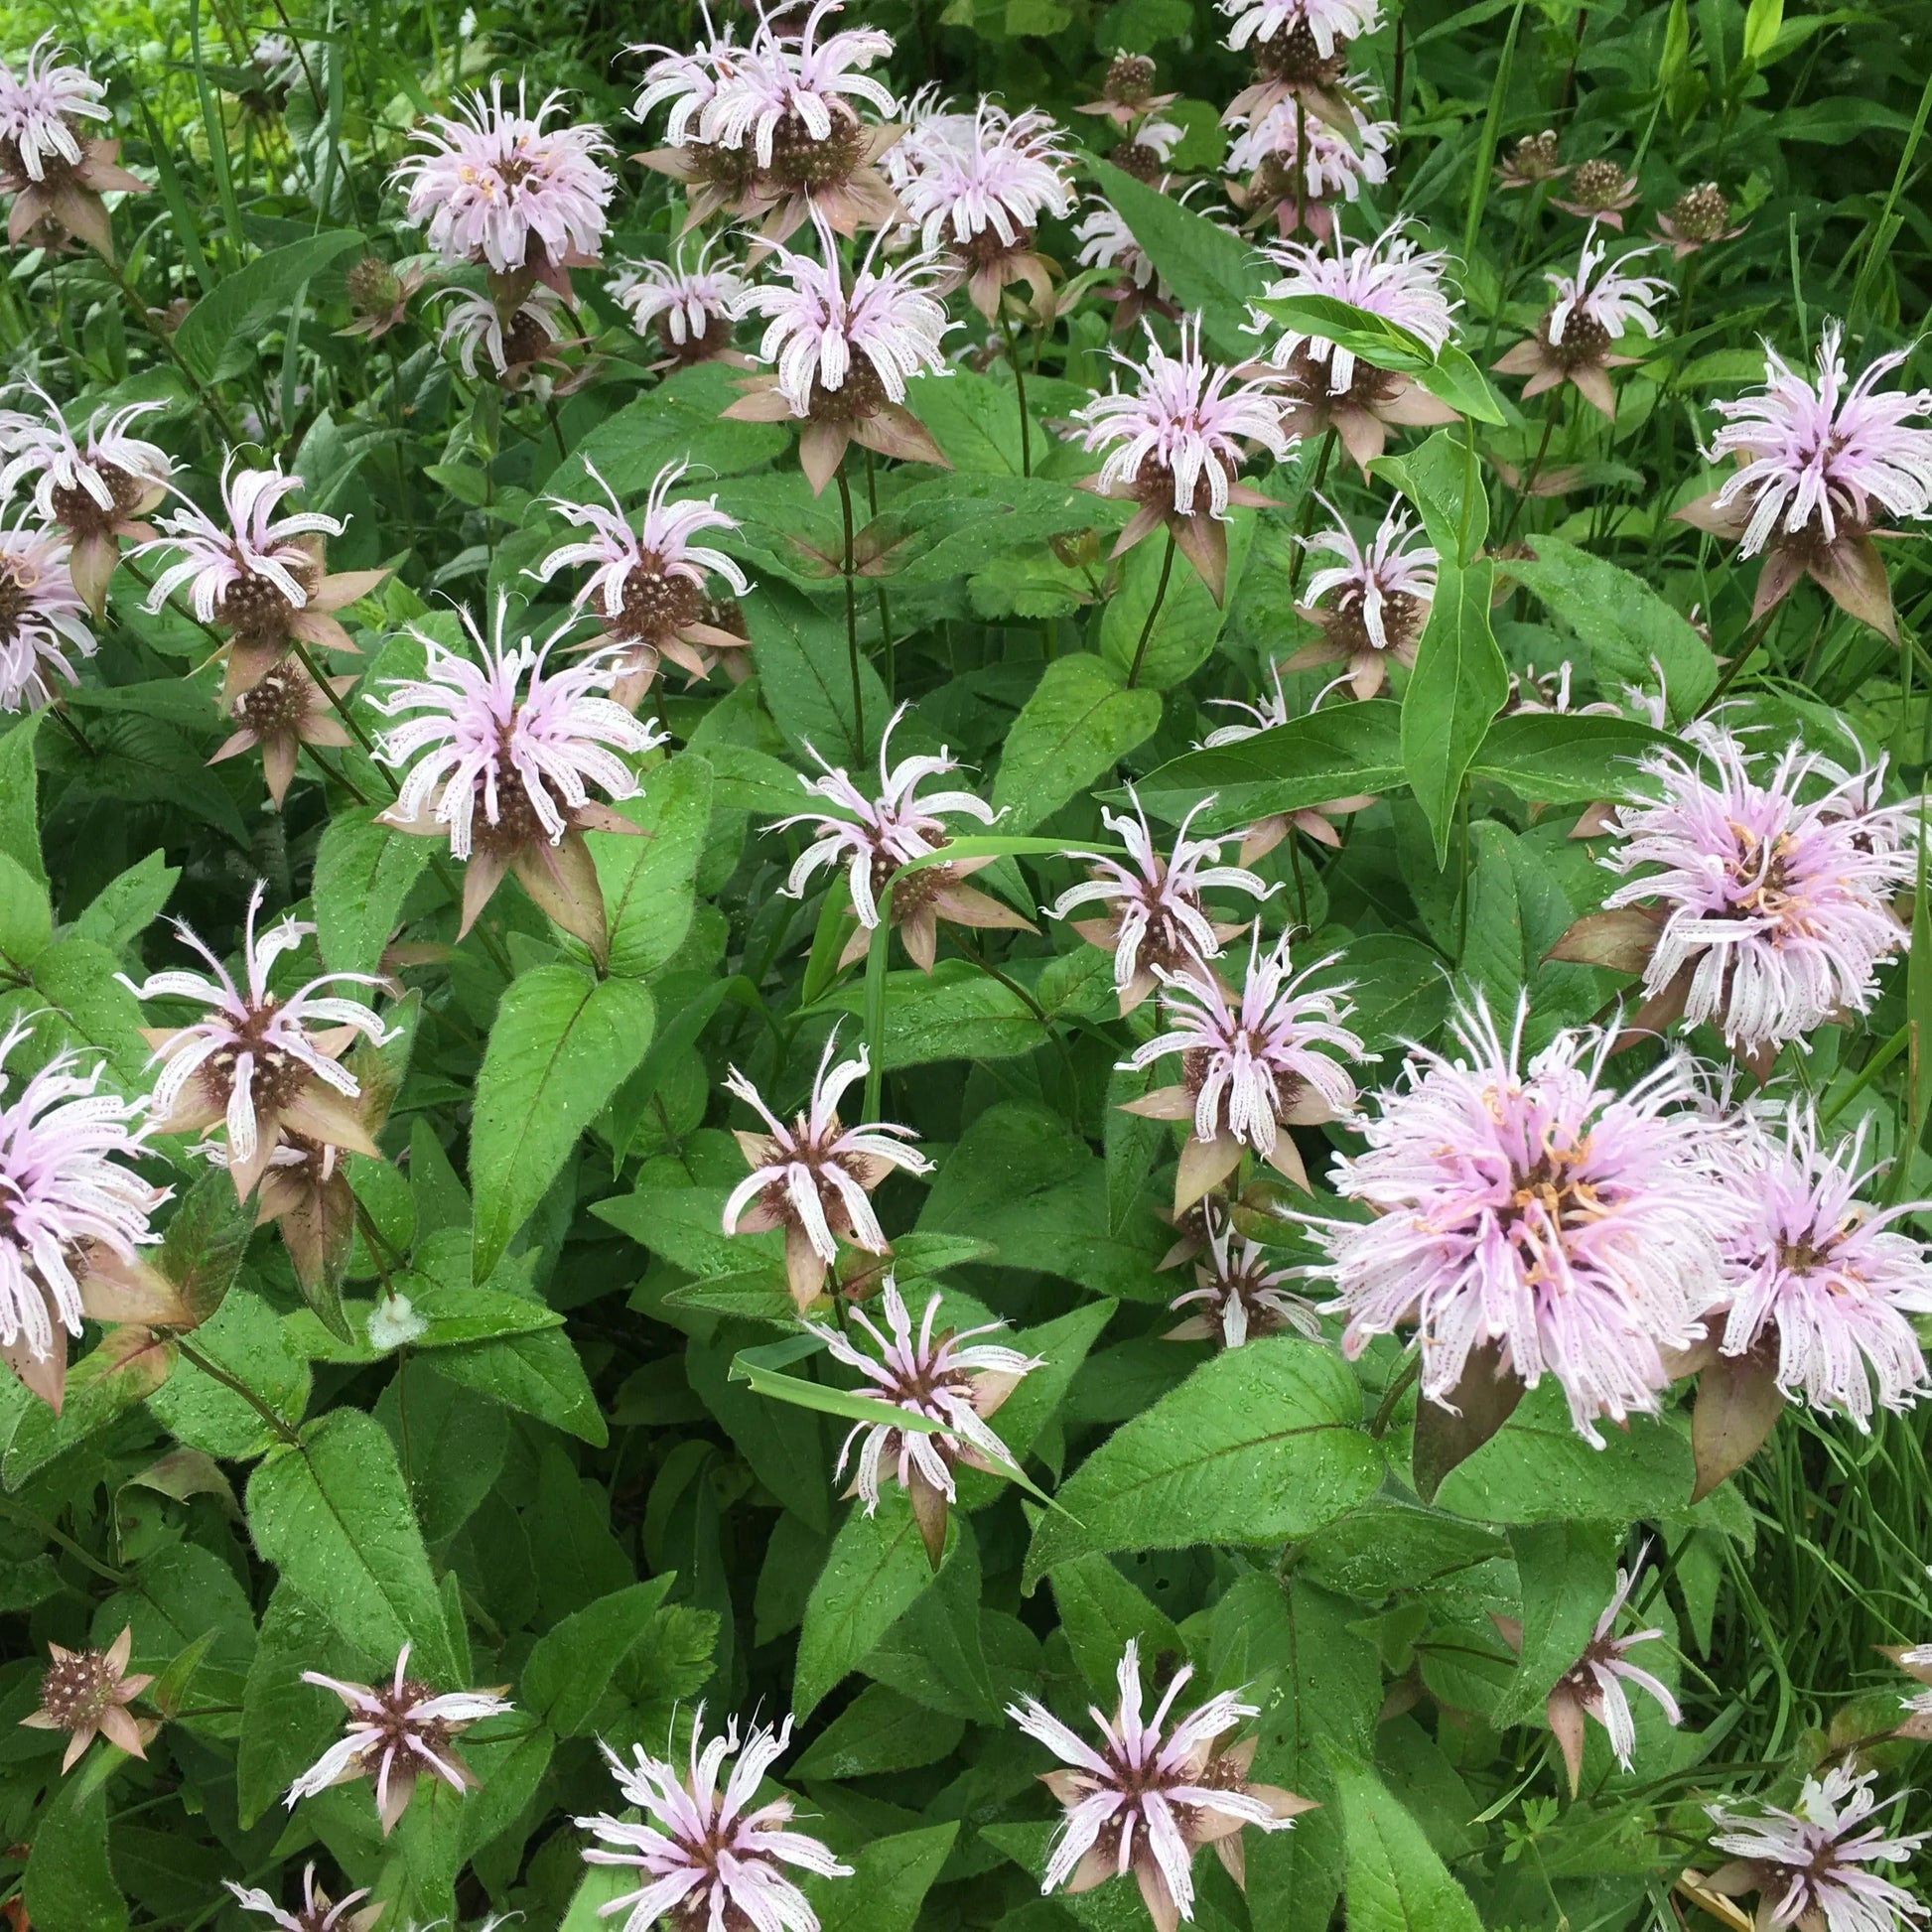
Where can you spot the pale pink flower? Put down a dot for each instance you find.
(1379, 596)
(474, 327)
(710, 1858)
(1810, 1867)
(687, 306)
(795, 75)
(495, 187)
(1175, 444)
(1819, 467)
(1532, 1221)
(950, 1379)
(318, 1912)
(842, 359)
(1593, 1686)
(1155, 918)
(1832, 1279)
(507, 734)
(1157, 137)
(650, 584)
(258, 1061)
(1773, 911)
(394, 1731)
(74, 1209)
(1593, 311)
(687, 78)
(38, 107)
(1272, 143)
(1238, 1295)
(1106, 241)
(1329, 23)
(42, 618)
(1153, 1791)
(1252, 1064)
(873, 837)
(812, 1176)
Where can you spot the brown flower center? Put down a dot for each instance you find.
(860, 395)
(1598, 185)
(1130, 79)
(1403, 617)
(76, 510)
(1294, 60)
(1701, 214)
(711, 339)
(1585, 342)
(274, 707)
(17, 584)
(1138, 159)
(656, 605)
(79, 1690)
(1153, 483)
(800, 161)
(373, 287)
(1535, 157)
(255, 607)
(524, 340)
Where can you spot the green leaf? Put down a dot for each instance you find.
(1189, 622)
(678, 420)
(1101, 1612)
(1078, 725)
(648, 881)
(1537, 1469)
(570, 1667)
(125, 1367)
(219, 335)
(26, 916)
(20, 822)
(1567, 1571)
(363, 872)
(954, 1012)
(538, 1374)
(128, 905)
(880, 1731)
(69, 1884)
(890, 1879)
(784, 1444)
(561, 1046)
(1458, 686)
(877, 1569)
(1448, 373)
(183, 1601)
(1442, 480)
(245, 1339)
(1553, 757)
(1396, 1881)
(1341, 753)
(334, 1519)
(805, 671)
(1203, 264)
(595, 1897)
(287, 1723)
(205, 1240)
(76, 996)
(1627, 624)
(451, 1443)
(1258, 1445)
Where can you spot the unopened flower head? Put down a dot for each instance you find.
(1175, 441)
(41, 617)
(73, 1205)
(1774, 890)
(811, 1176)
(40, 108)
(496, 186)
(1238, 1295)
(686, 304)
(1378, 600)
(650, 584)
(503, 747)
(1699, 218)
(1828, 1280)
(318, 1911)
(1815, 458)
(1810, 1866)
(949, 1378)
(1600, 190)
(1535, 1213)
(1153, 1791)
(1253, 1064)
(394, 1732)
(1594, 1686)
(1533, 158)
(258, 1060)
(710, 1858)
(86, 1692)
(1154, 920)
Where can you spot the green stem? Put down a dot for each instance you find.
(52, 1533)
(879, 590)
(1153, 612)
(1020, 392)
(216, 1373)
(1535, 470)
(852, 619)
(1301, 556)
(1745, 646)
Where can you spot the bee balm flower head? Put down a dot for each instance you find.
(1594, 310)
(86, 1692)
(318, 1912)
(1300, 52)
(55, 172)
(686, 306)
(1378, 601)
(1301, 167)
(42, 618)
(1238, 1297)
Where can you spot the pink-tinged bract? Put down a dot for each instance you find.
(41, 617)
(394, 1732)
(1534, 1210)
(710, 1857)
(1184, 425)
(1834, 1279)
(39, 107)
(62, 1146)
(888, 328)
(1155, 917)
(949, 1378)
(1390, 276)
(1775, 887)
(1330, 23)
(1814, 456)
(873, 837)
(1154, 1789)
(505, 733)
(1009, 171)
(496, 186)
(1811, 1865)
